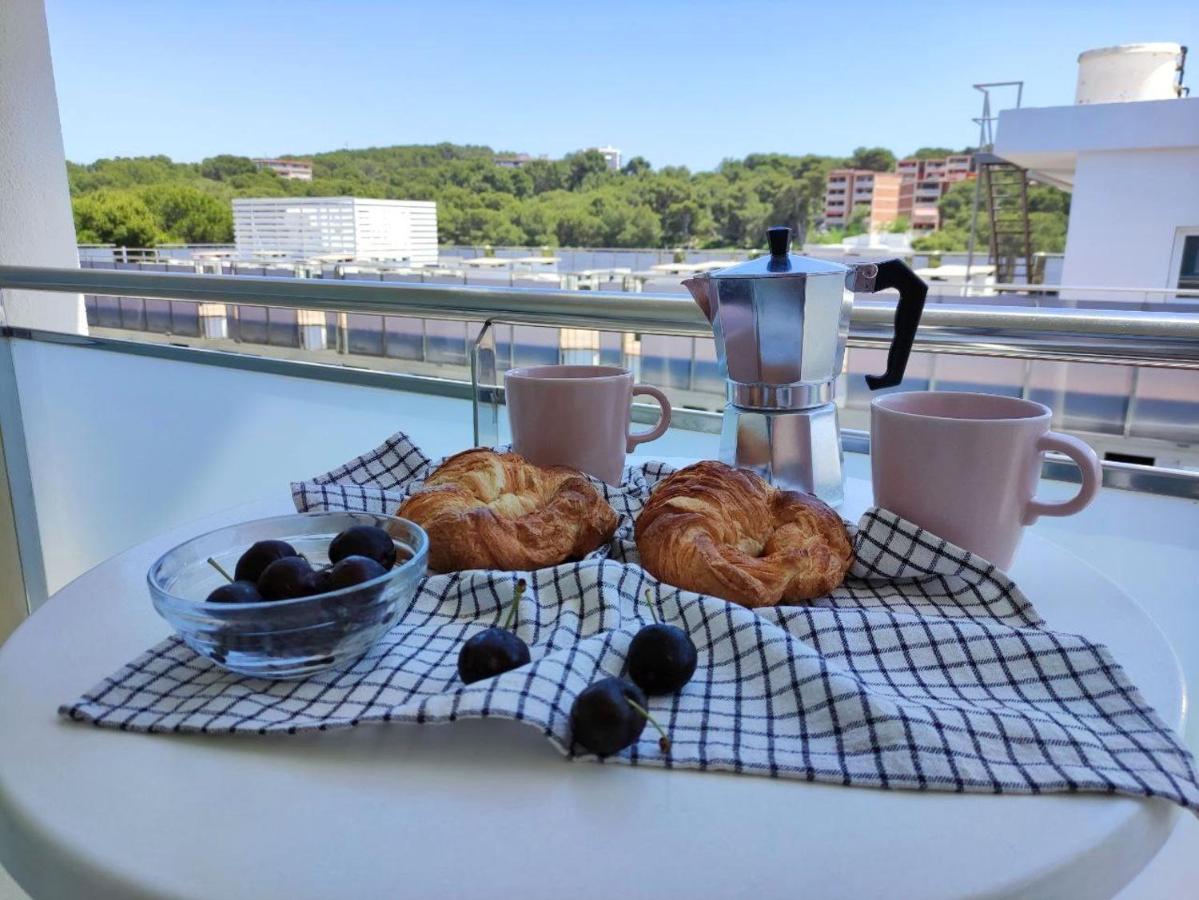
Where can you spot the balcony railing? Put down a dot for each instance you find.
(1081, 335)
(1156, 340)
(1135, 341)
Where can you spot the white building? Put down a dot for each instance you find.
(1128, 150)
(295, 169)
(350, 228)
(611, 156)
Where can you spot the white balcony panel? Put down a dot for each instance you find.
(123, 447)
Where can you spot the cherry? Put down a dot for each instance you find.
(286, 578)
(662, 658)
(235, 592)
(255, 560)
(496, 649)
(350, 571)
(364, 540)
(610, 715)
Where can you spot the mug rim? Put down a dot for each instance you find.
(1033, 411)
(569, 374)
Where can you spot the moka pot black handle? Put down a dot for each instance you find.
(894, 273)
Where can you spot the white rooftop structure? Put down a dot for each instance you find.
(1129, 152)
(611, 156)
(347, 228)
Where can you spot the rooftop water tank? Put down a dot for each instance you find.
(1130, 72)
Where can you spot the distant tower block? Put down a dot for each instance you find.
(611, 156)
(336, 228)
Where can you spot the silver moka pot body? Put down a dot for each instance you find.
(781, 323)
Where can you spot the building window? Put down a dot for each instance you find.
(1188, 272)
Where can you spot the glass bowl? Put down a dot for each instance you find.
(285, 638)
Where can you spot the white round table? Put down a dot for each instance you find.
(490, 808)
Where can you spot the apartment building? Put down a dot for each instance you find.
(847, 189)
(297, 169)
(513, 160)
(924, 183)
(611, 156)
(913, 192)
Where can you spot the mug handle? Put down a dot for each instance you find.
(658, 430)
(1092, 476)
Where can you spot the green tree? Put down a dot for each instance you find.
(829, 236)
(581, 167)
(899, 226)
(933, 153)
(224, 166)
(876, 159)
(188, 215)
(945, 240)
(859, 220)
(636, 166)
(112, 216)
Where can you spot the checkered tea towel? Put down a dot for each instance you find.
(927, 669)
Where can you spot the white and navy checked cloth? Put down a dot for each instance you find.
(928, 669)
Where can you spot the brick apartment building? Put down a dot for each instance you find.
(924, 183)
(294, 169)
(846, 189)
(911, 192)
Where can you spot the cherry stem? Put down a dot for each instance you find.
(216, 565)
(649, 601)
(517, 593)
(664, 740)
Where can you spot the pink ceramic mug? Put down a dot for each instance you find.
(965, 466)
(578, 416)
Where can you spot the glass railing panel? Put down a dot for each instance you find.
(403, 338)
(1167, 405)
(979, 375)
(250, 325)
(133, 313)
(611, 352)
(534, 346)
(282, 328)
(446, 342)
(1084, 397)
(364, 334)
(158, 316)
(706, 378)
(185, 318)
(860, 361)
(666, 360)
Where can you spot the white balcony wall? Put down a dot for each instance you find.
(124, 447)
(1125, 215)
(36, 228)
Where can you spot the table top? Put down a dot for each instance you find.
(397, 810)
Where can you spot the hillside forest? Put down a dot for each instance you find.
(575, 201)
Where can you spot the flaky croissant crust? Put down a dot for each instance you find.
(718, 530)
(488, 510)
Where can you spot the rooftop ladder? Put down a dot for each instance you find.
(1006, 189)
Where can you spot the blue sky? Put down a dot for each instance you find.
(677, 82)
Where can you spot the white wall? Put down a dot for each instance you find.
(36, 228)
(1124, 216)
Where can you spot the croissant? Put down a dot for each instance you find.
(488, 510)
(722, 531)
